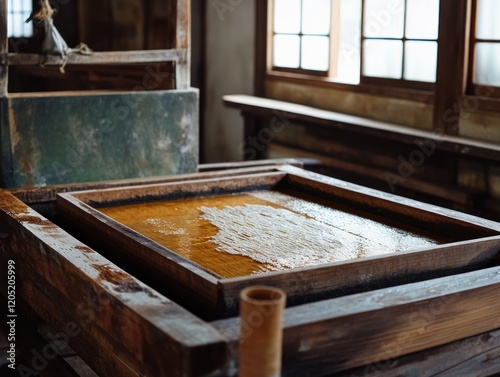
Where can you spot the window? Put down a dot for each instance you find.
(399, 40)
(304, 35)
(309, 38)
(18, 13)
(484, 69)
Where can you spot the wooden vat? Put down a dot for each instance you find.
(446, 324)
(426, 241)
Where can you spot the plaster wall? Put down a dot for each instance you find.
(230, 57)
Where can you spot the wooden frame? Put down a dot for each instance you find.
(333, 38)
(472, 88)
(439, 326)
(180, 55)
(402, 82)
(212, 297)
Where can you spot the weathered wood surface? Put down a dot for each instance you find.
(183, 41)
(445, 221)
(120, 325)
(170, 273)
(347, 332)
(477, 356)
(4, 48)
(269, 108)
(208, 295)
(346, 167)
(43, 199)
(97, 57)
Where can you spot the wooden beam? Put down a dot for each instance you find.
(183, 41)
(4, 48)
(451, 81)
(261, 41)
(99, 58)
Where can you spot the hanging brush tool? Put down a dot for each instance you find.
(54, 43)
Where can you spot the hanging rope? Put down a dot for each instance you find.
(54, 43)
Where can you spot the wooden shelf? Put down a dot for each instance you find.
(264, 107)
(115, 57)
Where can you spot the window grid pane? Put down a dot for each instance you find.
(302, 34)
(486, 64)
(488, 26)
(18, 12)
(385, 24)
(383, 58)
(420, 61)
(422, 19)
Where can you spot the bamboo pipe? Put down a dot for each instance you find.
(261, 335)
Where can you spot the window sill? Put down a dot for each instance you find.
(472, 103)
(326, 82)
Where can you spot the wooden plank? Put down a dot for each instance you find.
(263, 107)
(449, 222)
(183, 41)
(346, 167)
(178, 188)
(347, 332)
(4, 48)
(117, 57)
(79, 274)
(309, 284)
(477, 356)
(35, 195)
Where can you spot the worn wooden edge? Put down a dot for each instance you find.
(100, 58)
(477, 356)
(210, 186)
(347, 332)
(47, 194)
(265, 107)
(79, 274)
(429, 215)
(339, 166)
(313, 283)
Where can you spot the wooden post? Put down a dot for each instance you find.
(183, 41)
(450, 81)
(4, 49)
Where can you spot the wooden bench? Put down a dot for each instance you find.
(362, 150)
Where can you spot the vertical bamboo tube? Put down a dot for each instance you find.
(261, 336)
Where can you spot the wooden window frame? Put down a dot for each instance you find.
(402, 82)
(333, 38)
(12, 12)
(265, 71)
(451, 94)
(473, 89)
